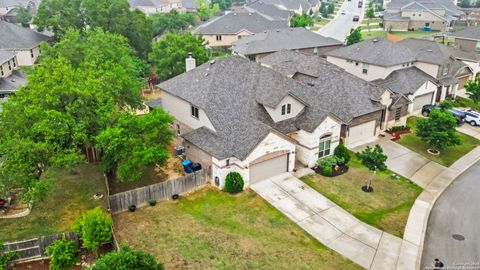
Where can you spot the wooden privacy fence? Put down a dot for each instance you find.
(162, 191)
(35, 248)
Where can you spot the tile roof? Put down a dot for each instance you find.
(282, 39)
(237, 21)
(405, 81)
(467, 33)
(18, 37)
(6, 56)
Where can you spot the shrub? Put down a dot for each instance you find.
(62, 254)
(398, 128)
(233, 182)
(342, 154)
(152, 202)
(329, 161)
(94, 227)
(328, 171)
(127, 258)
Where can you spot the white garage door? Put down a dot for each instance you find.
(268, 168)
(361, 132)
(419, 101)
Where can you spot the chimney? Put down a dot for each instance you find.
(190, 62)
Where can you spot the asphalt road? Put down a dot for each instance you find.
(457, 211)
(339, 27)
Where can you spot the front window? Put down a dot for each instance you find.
(324, 146)
(286, 109)
(315, 51)
(219, 38)
(398, 113)
(365, 68)
(445, 69)
(194, 112)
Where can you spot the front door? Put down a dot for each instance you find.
(439, 94)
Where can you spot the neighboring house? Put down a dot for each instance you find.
(156, 6)
(10, 77)
(236, 115)
(8, 8)
(403, 15)
(467, 39)
(299, 39)
(297, 6)
(24, 42)
(189, 5)
(270, 11)
(225, 30)
(372, 60)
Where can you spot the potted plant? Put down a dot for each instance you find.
(152, 202)
(132, 208)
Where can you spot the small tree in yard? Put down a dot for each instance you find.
(355, 36)
(62, 254)
(341, 152)
(473, 90)
(438, 130)
(374, 159)
(126, 259)
(370, 13)
(233, 182)
(94, 228)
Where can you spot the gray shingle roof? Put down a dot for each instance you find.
(234, 22)
(433, 52)
(6, 56)
(17, 37)
(282, 39)
(269, 10)
(290, 4)
(376, 51)
(448, 5)
(13, 82)
(467, 33)
(16, 3)
(335, 90)
(405, 81)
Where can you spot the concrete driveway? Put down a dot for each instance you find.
(469, 130)
(331, 225)
(406, 162)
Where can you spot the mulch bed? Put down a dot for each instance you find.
(397, 134)
(342, 170)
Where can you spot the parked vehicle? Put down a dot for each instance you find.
(459, 115)
(360, 4)
(343, 12)
(377, 14)
(426, 109)
(472, 117)
(356, 18)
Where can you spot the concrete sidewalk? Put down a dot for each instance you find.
(407, 163)
(469, 130)
(331, 225)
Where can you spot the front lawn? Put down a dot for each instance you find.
(448, 156)
(211, 229)
(386, 208)
(414, 34)
(69, 197)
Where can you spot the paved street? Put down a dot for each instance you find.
(340, 26)
(455, 212)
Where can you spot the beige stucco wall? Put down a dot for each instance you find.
(276, 113)
(430, 69)
(8, 71)
(227, 39)
(395, 25)
(181, 110)
(270, 144)
(374, 72)
(308, 143)
(24, 57)
(427, 87)
(466, 44)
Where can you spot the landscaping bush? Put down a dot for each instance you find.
(233, 182)
(326, 162)
(342, 154)
(398, 128)
(63, 254)
(328, 171)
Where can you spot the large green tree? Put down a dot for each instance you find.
(473, 90)
(172, 21)
(303, 20)
(94, 227)
(112, 15)
(206, 9)
(24, 16)
(168, 54)
(134, 142)
(374, 159)
(438, 130)
(127, 259)
(223, 4)
(370, 13)
(355, 36)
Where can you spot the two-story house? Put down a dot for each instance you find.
(155, 6)
(10, 77)
(225, 30)
(258, 119)
(436, 70)
(24, 42)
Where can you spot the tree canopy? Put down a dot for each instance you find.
(94, 227)
(355, 36)
(370, 13)
(63, 254)
(24, 16)
(168, 54)
(172, 21)
(303, 20)
(473, 90)
(438, 130)
(112, 15)
(134, 142)
(206, 9)
(126, 259)
(373, 158)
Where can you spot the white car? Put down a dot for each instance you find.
(378, 14)
(343, 12)
(472, 117)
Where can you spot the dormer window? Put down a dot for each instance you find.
(194, 112)
(286, 109)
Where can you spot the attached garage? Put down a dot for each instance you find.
(268, 168)
(419, 101)
(361, 132)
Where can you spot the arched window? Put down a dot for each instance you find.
(324, 145)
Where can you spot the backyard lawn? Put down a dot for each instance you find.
(211, 229)
(405, 34)
(373, 34)
(69, 197)
(448, 156)
(386, 208)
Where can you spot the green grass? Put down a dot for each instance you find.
(211, 229)
(386, 208)
(373, 20)
(448, 156)
(466, 103)
(69, 197)
(374, 34)
(414, 34)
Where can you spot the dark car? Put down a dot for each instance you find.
(360, 4)
(459, 115)
(356, 18)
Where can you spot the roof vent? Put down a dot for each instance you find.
(234, 14)
(212, 62)
(375, 40)
(278, 30)
(265, 31)
(311, 83)
(429, 50)
(206, 74)
(249, 14)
